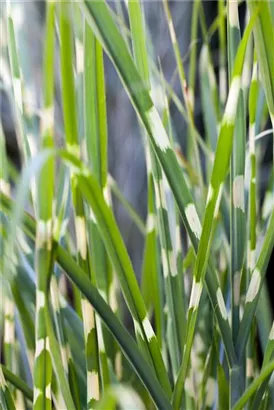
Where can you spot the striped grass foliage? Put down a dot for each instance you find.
(202, 302)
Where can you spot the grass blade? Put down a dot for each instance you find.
(72, 142)
(220, 168)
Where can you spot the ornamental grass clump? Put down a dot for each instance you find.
(200, 306)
